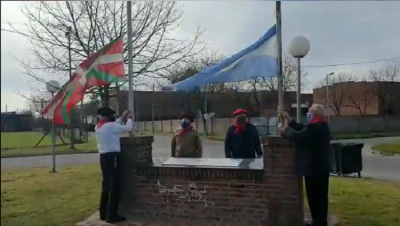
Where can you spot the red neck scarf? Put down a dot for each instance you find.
(183, 131)
(102, 122)
(317, 120)
(239, 128)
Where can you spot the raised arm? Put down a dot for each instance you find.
(124, 115)
(303, 136)
(119, 128)
(296, 126)
(119, 120)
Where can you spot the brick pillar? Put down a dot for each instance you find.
(286, 200)
(136, 151)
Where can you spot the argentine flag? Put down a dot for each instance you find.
(258, 60)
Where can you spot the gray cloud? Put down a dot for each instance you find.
(360, 30)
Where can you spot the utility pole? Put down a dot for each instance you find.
(68, 35)
(327, 96)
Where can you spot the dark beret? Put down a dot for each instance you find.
(190, 117)
(106, 111)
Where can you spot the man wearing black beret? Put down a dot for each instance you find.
(186, 142)
(108, 131)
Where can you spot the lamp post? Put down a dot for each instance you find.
(52, 87)
(327, 94)
(299, 48)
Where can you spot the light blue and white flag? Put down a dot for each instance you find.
(258, 60)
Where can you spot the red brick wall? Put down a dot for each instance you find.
(350, 96)
(233, 197)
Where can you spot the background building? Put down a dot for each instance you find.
(360, 98)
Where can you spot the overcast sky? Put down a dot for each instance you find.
(339, 33)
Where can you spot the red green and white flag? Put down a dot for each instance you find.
(103, 68)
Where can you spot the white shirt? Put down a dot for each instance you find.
(108, 135)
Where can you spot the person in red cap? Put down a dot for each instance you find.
(242, 140)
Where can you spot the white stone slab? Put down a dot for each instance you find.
(203, 162)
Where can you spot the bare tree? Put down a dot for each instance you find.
(36, 100)
(362, 99)
(190, 67)
(289, 75)
(338, 90)
(93, 24)
(386, 86)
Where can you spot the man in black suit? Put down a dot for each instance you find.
(242, 140)
(312, 142)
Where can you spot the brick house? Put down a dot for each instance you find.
(360, 98)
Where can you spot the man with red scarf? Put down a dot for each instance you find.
(186, 142)
(312, 142)
(242, 140)
(108, 131)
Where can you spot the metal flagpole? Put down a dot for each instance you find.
(68, 34)
(130, 65)
(53, 142)
(279, 39)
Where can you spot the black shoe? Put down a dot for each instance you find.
(102, 215)
(116, 219)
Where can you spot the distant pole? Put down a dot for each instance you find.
(68, 34)
(6, 108)
(327, 96)
(279, 39)
(131, 97)
(152, 109)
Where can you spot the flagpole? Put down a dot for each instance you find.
(130, 65)
(68, 34)
(279, 38)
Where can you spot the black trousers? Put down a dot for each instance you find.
(317, 194)
(110, 191)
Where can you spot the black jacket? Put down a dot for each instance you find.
(312, 147)
(243, 145)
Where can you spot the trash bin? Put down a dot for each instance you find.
(346, 158)
(334, 156)
(351, 158)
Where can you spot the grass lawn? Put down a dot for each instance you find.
(36, 197)
(387, 149)
(22, 144)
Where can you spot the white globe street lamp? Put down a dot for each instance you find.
(52, 87)
(299, 48)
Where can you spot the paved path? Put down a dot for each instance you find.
(375, 166)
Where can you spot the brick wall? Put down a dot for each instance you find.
(210, 196)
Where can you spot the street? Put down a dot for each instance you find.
(374, 166)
